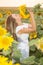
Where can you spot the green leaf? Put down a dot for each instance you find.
(17, 54)
(30, 60)
(8, 34)
(41, 61)
(38, 54)
(7, 52)
(32, 48)
(33, 42)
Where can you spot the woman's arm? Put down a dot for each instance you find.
(32, 20)
(32, 27)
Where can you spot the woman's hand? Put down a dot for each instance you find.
(32, 20)
(20, 32)
(30, 11)
(24, 30)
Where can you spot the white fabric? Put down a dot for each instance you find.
(23, 41)
(24, 36)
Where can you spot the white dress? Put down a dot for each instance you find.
(23, 41)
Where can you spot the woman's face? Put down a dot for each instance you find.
(17, 17)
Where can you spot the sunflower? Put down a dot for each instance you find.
(8, 12)
(6, 63)
(1, 15)
(33, 35)
(23, 8)
(3, 60)
(39, 44)
(3, 31)
(5, 42)
(17, 64)
(10, 63)
(23, 13)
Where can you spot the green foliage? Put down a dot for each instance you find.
(29, 60)
(39, 19)
(32, 48)
(16, 52)
(41, 61)
(33, 42)
(7, 52)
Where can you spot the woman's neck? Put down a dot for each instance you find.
(19, 22)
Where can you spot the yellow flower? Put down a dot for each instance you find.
(22, 10)
(10, 63)
(5, 63)
(1, 15)
(8, 12)
(3, 59)
(39, 45)
(17, 64)
(33, 35)
(5, 42)
(2, 31)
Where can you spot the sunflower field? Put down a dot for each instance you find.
(9, 54)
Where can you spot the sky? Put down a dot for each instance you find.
(16, 3)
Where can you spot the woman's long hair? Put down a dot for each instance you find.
(11, 26)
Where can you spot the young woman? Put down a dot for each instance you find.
(22, 31)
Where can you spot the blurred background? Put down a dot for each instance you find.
(16, 3)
